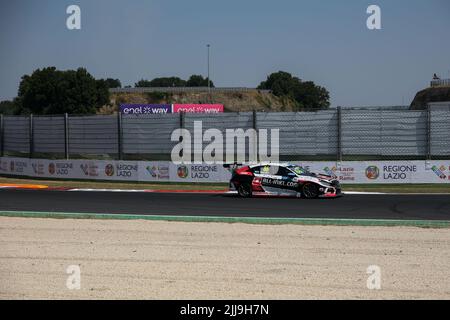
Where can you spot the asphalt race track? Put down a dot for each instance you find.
(408, 207)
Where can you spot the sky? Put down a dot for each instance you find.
(326, 41)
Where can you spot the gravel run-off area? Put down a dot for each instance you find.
(184, 260)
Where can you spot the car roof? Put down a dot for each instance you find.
(271, 164)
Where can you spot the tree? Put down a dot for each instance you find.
(8, 107)
(194, 81)
(51, 91)
(306, 94)
(280, 83)
(198, 81)
(112, 83)
(161, 82)
(310, 96)
(142, 84)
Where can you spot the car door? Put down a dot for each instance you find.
(271, 180)
(288, 177)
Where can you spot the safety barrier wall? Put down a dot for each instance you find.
(364, 172)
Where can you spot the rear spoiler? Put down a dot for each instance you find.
(232, 165)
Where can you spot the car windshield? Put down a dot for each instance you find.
(299, 170)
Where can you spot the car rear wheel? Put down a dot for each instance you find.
(244, 190)
(310, 191)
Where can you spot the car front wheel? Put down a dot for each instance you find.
(310, 191)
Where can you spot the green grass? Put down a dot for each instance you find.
(249, 220)
(389, 188)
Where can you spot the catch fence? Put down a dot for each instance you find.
(334, 134)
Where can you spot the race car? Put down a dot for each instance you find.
(282, 180)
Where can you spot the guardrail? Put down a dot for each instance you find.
(440, 83)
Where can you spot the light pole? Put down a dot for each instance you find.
(209, 85)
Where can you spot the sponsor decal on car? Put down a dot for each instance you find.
(265, 169)
(279, 183)
(305, 178)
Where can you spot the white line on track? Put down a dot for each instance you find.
(168, 191)
(363, 192)
(235, 192)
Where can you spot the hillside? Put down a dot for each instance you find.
(232, 101)
(436, 94)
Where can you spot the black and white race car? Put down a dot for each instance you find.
(282, 180)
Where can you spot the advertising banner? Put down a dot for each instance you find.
(364, 172)
(373, 172)
(18, 166)
(119, 170)
(168, 108)
(145, 108)
(154, 171)
(199, 173)
(197, 108)
(54, 168)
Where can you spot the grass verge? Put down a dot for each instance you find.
(388, 188)
(248, 220)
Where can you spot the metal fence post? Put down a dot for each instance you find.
(182, 119)
(428, 133)
(31, 137)
(182, 124)
(119, 136)
(339, 134)
(2, 136)
(66, 136)
(255, 128)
